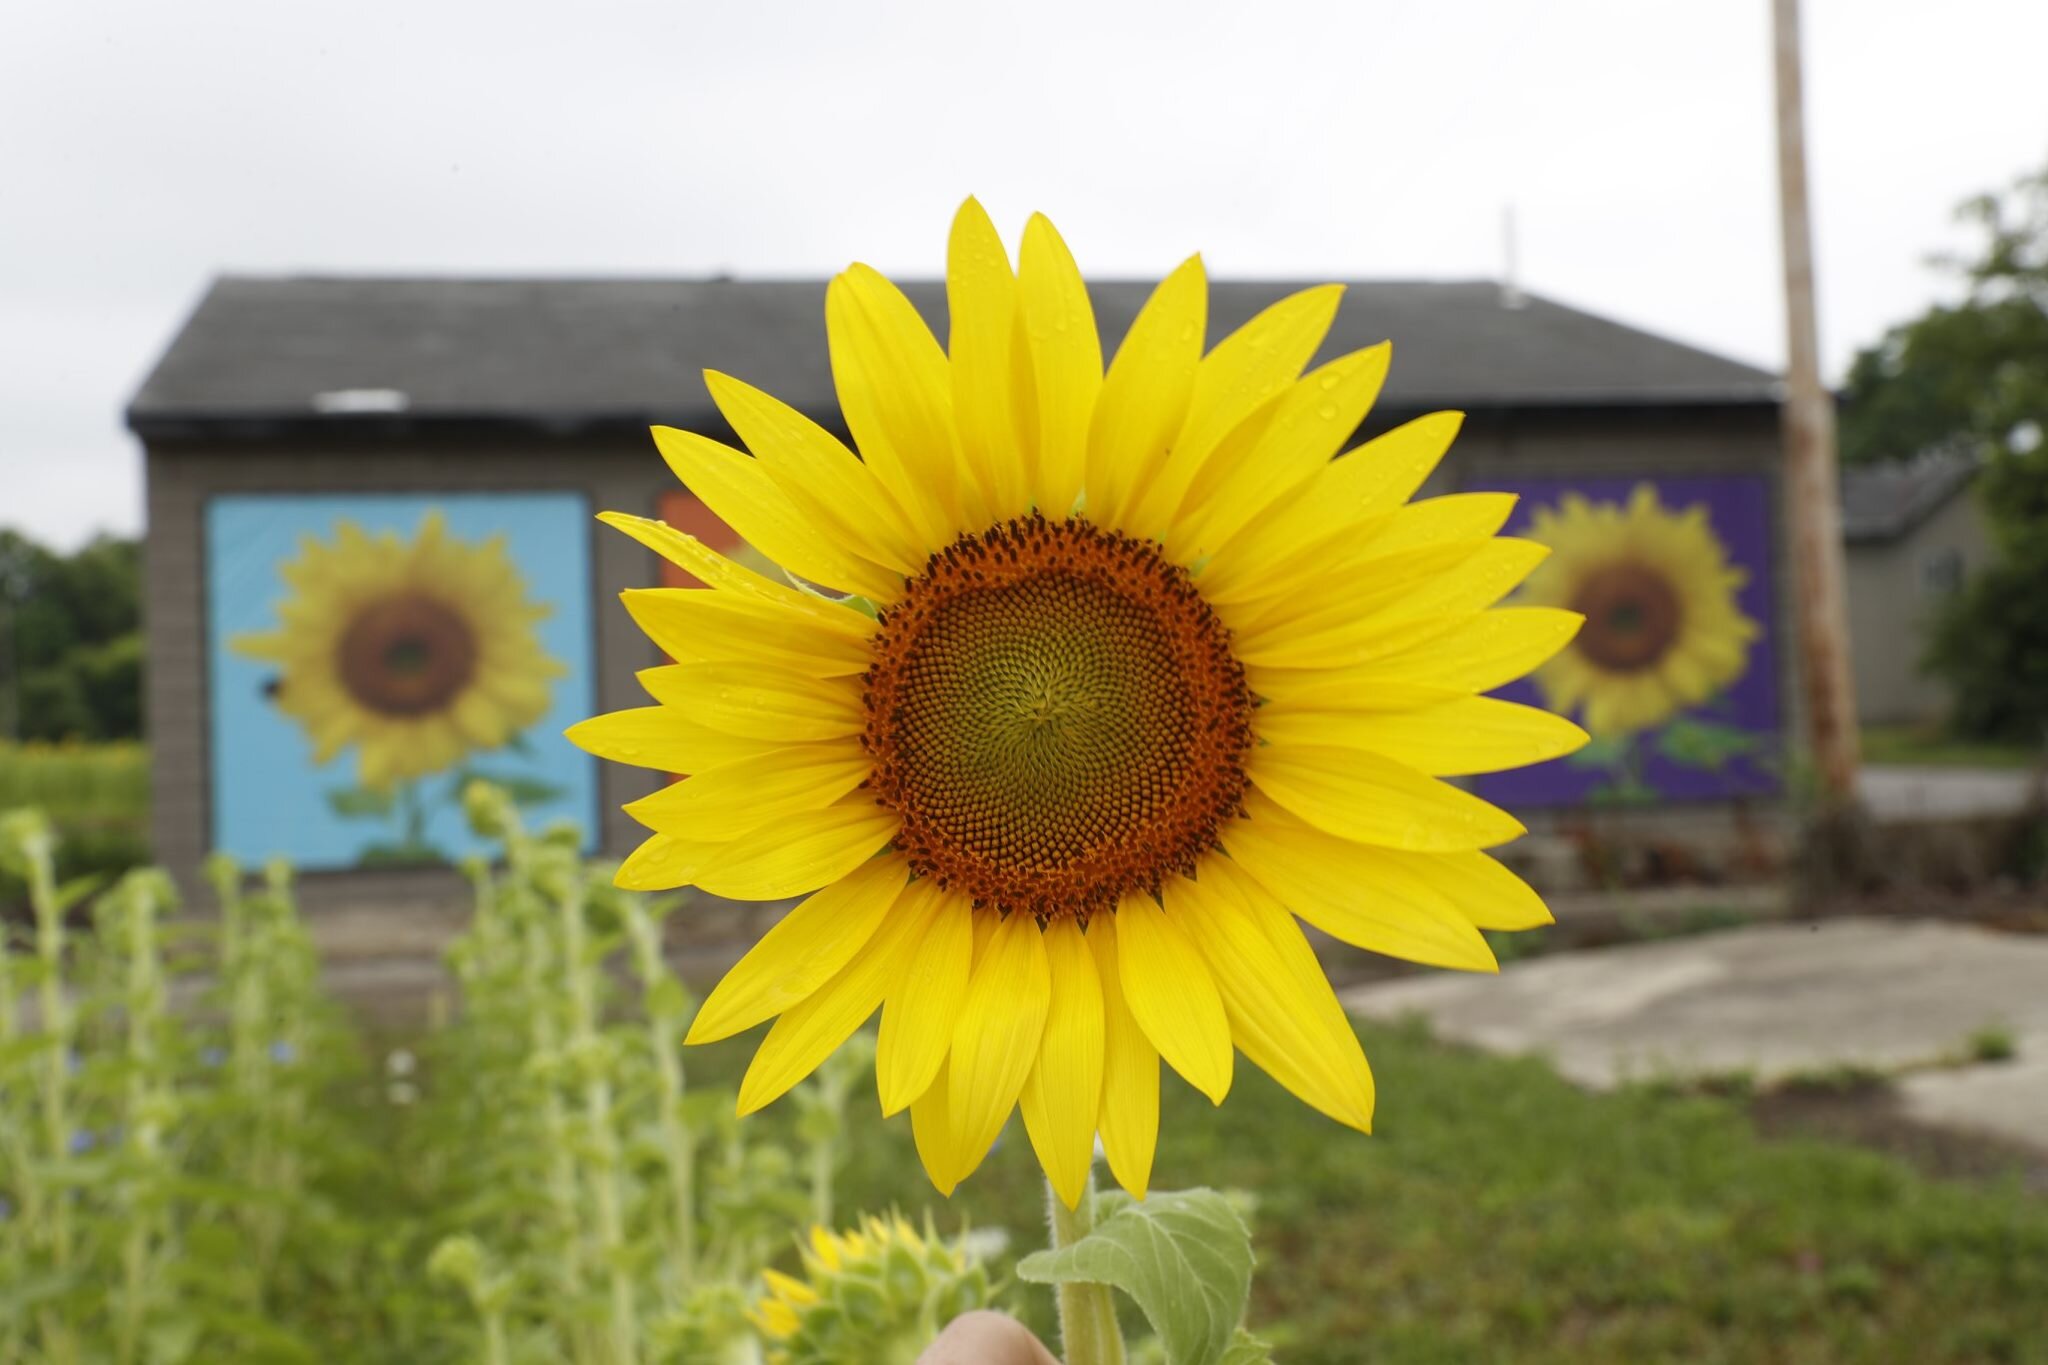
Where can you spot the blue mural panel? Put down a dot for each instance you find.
(369, 654)
(1675, 673)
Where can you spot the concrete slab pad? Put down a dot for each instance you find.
(1773, 1001)
(1926, 793)
(2005, 1100)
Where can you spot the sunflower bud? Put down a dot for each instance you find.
(877, 1294)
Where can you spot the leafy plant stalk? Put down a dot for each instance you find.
(139, 896)
(58, 1030)
(562, 1182)
(662, 1003)
(588, 1047)
(1089, 1334)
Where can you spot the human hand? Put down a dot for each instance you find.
(985, 1338)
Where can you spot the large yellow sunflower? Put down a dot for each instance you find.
(416, 651)
(1135, 674)
(1663, 631)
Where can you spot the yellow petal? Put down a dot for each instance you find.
(923, 1007)
(1378, 899)
(996, 1040)
(1477, 654)
(775, 1319)
(759, 701)
(1373, 800)
(1370, 481)
(1130, 1072)
(1454, 516)
(1062, 1094)
(896, 395)
(1435, 605)
(800, 853)
(938, 1146)
(805, 949)
(1485, 892)
(715, 570)
(1301, 691)
(981, 300)
(1145, 395)
(691, 625)
(788, 1290)
(1310, 424)
(721, 804)
(1283, 1014)
(1247, 369)
(662, 863)
(1452, 739)
(739, 489)
(1289, 623)
(1172, 996)
(812, 1029)
(1066, 362)
(820, 475)
(661, 737)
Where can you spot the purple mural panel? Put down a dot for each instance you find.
(1675, 673)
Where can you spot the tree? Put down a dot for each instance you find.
(1972, 377)
(70, 640)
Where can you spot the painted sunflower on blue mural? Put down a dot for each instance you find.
(1663, 630)
(415, 652)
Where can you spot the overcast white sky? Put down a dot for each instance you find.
(145, 146)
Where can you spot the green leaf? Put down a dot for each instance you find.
(400, 855)
(23, 1294)
(524, 791)
(359, 802)
(1184, 1257)
(666, 999)
(77, 889)
(1703, 744)
(1601, 752)
(1247, 1349)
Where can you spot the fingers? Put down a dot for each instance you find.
(985, 1338)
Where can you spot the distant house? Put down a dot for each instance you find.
(1915, 532)
(372, 569)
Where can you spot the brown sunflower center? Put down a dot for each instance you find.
(1057, 717)
(1632, 616)
(406, 655)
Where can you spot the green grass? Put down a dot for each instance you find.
(1500, 1214)
(96, 795)
(1992, 1043)
(1920, 746)
(77, 782)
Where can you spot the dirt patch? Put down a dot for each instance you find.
(1867, 1114)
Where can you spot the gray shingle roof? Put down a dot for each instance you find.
(569, 355)
(1883, 502)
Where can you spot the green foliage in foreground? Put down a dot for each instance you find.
(1500, 1214)
(238, 1183)
(244, 1183)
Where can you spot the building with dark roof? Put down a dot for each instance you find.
(298, 388)
(1915, 532)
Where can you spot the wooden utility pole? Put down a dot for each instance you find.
(1810, 477)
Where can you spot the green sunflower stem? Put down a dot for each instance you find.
(1089, 1334)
